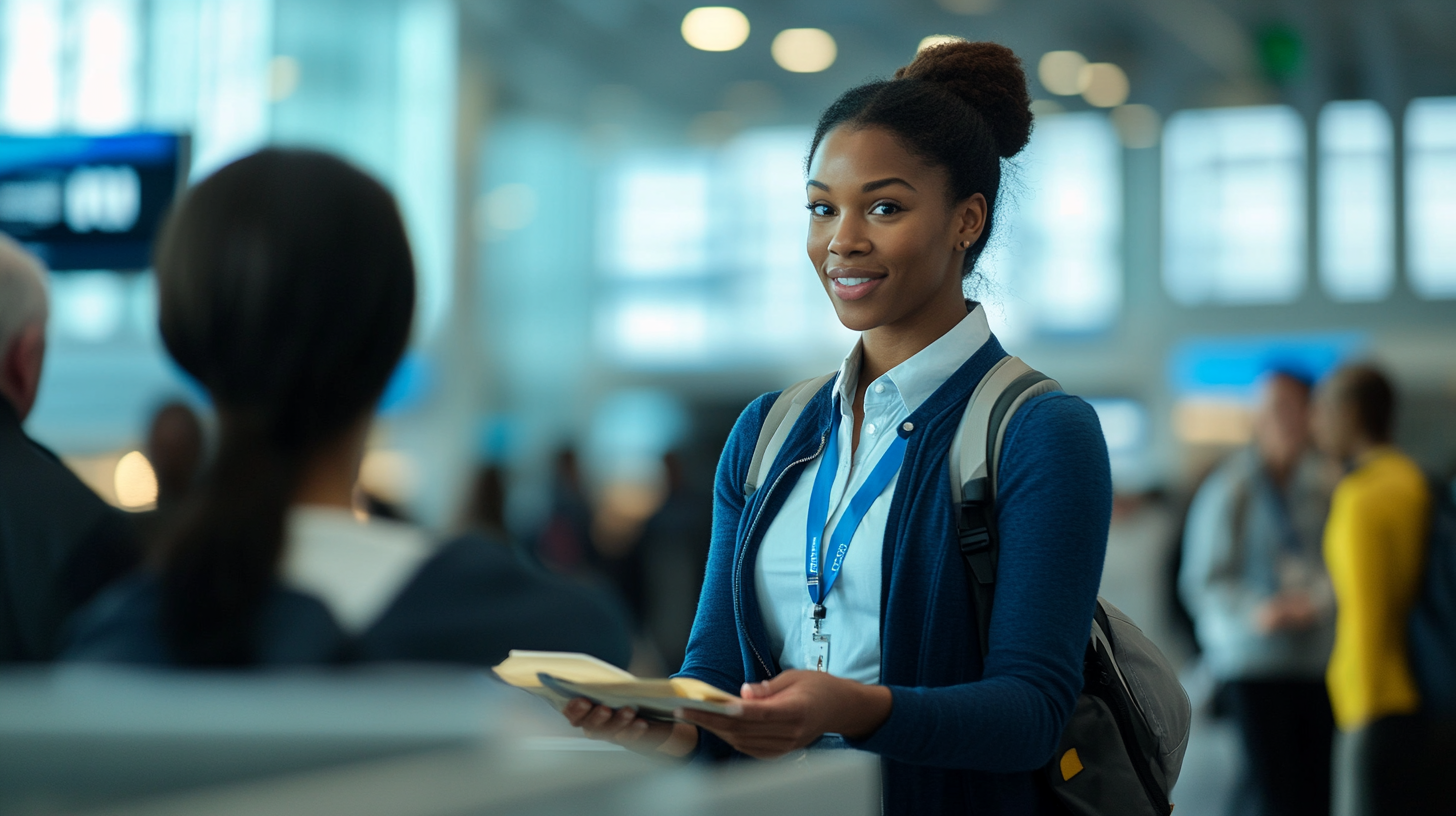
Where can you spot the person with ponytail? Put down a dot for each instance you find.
(902, 193)
(287, 291)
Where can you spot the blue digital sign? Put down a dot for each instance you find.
(89, 202)
(1232, 367)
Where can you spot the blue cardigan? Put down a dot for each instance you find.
(961, 737)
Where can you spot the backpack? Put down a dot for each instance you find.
(1123, 746)
(1431, 630)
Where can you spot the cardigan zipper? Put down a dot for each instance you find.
(743, 553)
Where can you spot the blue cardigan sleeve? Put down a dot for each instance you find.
(1054, 505)
(713, 653)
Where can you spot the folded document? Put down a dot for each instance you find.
(560, 677)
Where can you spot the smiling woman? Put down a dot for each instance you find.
(848, 537)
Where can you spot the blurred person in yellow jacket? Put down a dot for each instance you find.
(1375, 542)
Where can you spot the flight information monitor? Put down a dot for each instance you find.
(89, 202)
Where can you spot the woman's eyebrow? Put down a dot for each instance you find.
(875, 185)
(869, 187)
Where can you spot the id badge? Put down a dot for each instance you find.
(818, 652)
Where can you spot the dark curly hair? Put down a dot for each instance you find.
(962, 106)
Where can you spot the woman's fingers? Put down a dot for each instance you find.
(622, 726)
(634, 731)
(598, 721)
(576, 711)
(599, 717)
(763, 740)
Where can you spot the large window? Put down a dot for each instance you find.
(704, 259)
(1057, 261)
(1234, 223)
(1430, 196)
(1356, 201)
(655, 218)
(372, 81)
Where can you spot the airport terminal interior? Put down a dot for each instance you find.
(605, 204)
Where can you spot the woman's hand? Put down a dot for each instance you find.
(795, 708)
(625, 728)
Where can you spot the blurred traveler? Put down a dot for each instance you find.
(1375, 544)
(287, 291)
(674, 548)
(59, 542)
(174, 447)
(883, 649)
(1256, 585)
(485, 505)
(565, 543)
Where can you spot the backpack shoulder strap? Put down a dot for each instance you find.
(776, 426)
(974, 457)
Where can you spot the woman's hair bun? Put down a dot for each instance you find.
(988, 76)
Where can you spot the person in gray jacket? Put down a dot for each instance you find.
(1254, 579)
(59, 542)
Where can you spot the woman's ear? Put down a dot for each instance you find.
(969, 220)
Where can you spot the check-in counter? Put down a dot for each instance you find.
(396, 741)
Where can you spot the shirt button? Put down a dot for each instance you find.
(879, 388)
(870, 428)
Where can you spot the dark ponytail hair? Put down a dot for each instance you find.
(962, 106)
(287, 289)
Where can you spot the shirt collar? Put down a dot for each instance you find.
(921, 375)
(354, 567)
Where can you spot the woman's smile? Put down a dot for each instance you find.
(854, 284)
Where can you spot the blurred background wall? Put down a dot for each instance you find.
(605, 200)
(608, 221)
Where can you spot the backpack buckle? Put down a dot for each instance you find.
(973, 531)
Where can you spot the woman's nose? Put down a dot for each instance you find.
(849, 239)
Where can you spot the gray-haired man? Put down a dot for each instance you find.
(59, 543)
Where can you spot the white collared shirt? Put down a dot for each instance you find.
(356, 568)
(852, 619)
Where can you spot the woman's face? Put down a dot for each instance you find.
(885, 238)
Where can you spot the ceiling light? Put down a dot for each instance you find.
(936, 39)
(715, 28)
(135, 482)
(1104, 85)
(1060, 72)
(804, 50)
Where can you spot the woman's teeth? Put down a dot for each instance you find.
(852, 281)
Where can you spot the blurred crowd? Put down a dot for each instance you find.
(1306, 563)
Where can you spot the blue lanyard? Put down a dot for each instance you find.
(879, 478)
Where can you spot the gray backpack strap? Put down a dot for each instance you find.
(776, 426)
(974, 455)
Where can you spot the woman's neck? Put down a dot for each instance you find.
(885, 347)
(328, 476)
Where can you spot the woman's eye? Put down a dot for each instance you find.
(885, 208)
(821, 210)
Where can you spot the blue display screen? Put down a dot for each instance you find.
(1233, 367)
(89, 202)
